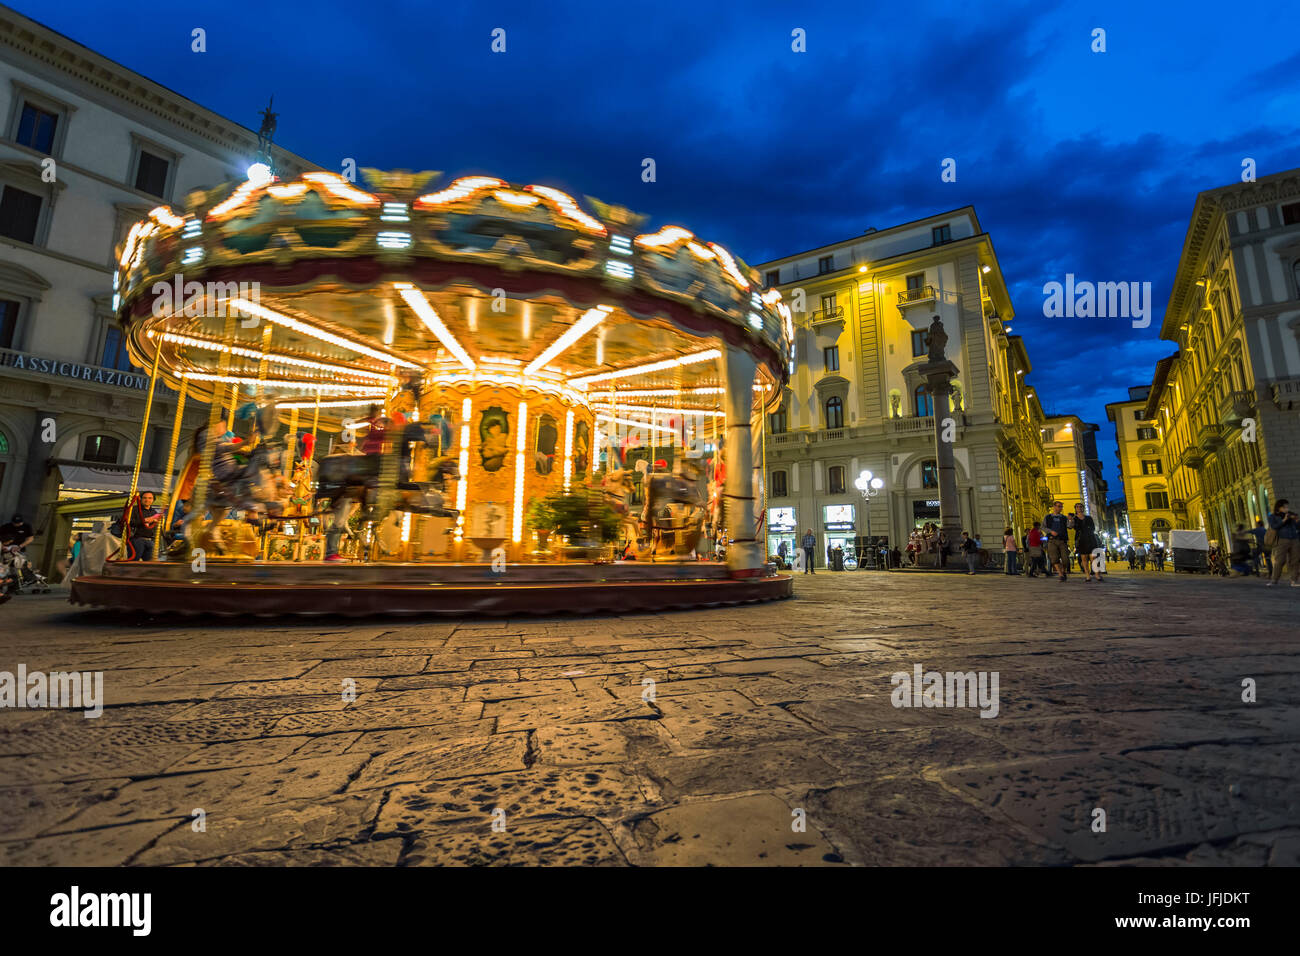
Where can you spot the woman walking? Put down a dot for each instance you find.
(1085, 541)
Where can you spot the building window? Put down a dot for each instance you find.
(115, 354)
(1157, 500)
(924, 404)
(772, 277)
(1151, 466)
(941, 234)
(915, 281)
(1051, 459)
(101, 448)
(1146, 434)
(835, 478)
(778, 484)
(1049, 435)
(8, 323)
(1054, 484)
(825, 264)
(1137, 414)
(151, 174)
(777, 422)
(834, 413)
(832, 357)
(929, 474)
(1291, 214)
(919, 346)
(20, 214)
(36, 128)
(828, 305)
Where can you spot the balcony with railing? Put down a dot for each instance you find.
(828, 316)
(1234, 406)
(917, 296)
(1210, 437)
(915, 425)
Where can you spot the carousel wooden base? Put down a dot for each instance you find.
(358, 590)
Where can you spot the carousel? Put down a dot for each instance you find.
(459, 398)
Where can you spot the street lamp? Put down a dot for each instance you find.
(870, 487)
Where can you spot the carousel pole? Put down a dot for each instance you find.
(171, 463)
(315, 422)
(264, 542)
(139, 445)
(199, 499)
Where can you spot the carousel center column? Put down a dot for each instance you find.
(744, 554)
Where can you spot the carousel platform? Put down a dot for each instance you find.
(458, 590)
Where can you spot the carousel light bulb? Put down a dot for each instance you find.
(259, 174)
(429, 316)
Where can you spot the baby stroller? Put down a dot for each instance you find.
(18, 574)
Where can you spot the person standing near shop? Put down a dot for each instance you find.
(808, 544)
(1285, 532)
(1057, 526)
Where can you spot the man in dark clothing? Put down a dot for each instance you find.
(971, 550)
(1260, 551)
(144, 517)
(17, 532)
(1056, 525)
(808, 543)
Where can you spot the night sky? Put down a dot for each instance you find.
(1075, 161)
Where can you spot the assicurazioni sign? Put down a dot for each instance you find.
(74, 370)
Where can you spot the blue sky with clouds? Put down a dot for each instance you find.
(1075, 161)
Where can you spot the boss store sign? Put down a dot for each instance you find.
(838, 518)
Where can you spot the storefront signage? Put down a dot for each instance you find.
(74, 370)
(780, 519)
(838, 518)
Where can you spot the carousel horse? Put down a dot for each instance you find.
(618, 495)
(674, 505)
(247, 476)
(358, 478)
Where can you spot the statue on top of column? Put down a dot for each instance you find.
(937, 339)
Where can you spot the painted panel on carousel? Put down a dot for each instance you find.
(487, 519)
(494, 437)
(581, 448)
(548, 435)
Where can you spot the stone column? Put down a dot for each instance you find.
(938, 379)
(744, 553)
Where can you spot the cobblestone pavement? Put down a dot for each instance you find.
(768, 735)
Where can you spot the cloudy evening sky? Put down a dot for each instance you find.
(1075, 162)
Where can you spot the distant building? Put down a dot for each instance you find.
(856, 400)
(1073, 467)
(1146, 485)
(87, 149)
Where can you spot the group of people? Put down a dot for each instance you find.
(927, 539)
(1138, 554)
(1059, 542)
(1275, 546)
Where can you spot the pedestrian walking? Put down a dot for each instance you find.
(1057, 526)
(1131, 555)
(1034, 549)
(971, 550)
(1285, 534)
(1085, 542)
(808, 543)
(1261, 552)
(1009, 546)
(1141, 554)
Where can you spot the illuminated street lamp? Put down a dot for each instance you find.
(870, 487)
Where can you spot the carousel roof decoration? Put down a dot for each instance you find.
(321, 239)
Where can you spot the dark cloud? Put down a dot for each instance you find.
(1072, 164)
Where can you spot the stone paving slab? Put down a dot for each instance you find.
(768, 735)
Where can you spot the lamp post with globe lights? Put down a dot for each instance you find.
(870, 486)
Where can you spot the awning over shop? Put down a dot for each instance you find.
(106, 481)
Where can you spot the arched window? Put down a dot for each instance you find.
(834, 413)
(1160, 524)
(101, 448)
(924, 404)
(929, 474)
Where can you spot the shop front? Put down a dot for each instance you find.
(925, 510)
(839, 522)
(782, 527)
